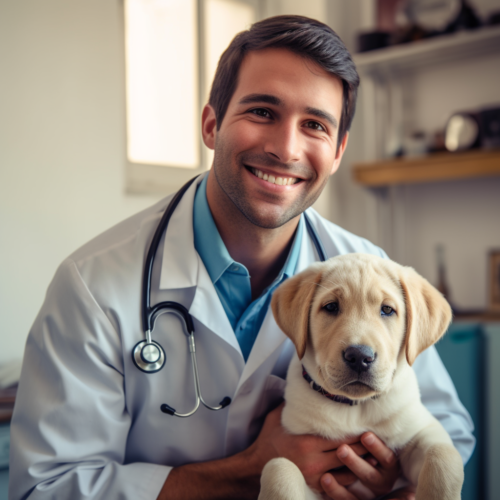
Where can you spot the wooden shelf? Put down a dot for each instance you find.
(481, 316)
(437, 50)
(431, 168)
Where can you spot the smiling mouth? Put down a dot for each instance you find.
(272, 179)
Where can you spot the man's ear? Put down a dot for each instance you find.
(340, 153)
(427, 313)
(291, 305)
(208, 126)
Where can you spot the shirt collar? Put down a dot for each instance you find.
(207, 240)
(213, 251)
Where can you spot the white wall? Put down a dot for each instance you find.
(62, 133)
(62, 142)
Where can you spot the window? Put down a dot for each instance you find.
(172, 50)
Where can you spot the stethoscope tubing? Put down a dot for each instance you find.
(149, 314)
(147, 311)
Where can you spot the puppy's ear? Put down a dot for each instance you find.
(291, 304)
(428, 314)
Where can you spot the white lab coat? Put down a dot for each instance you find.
(87, 422)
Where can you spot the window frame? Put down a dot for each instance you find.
(143, 178)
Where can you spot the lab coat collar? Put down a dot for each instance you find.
(182, 267)
(180, 262)
(308, 253)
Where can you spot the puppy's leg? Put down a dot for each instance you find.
(432, 463)
(282, 480)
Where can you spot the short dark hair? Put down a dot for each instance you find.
(301, 35)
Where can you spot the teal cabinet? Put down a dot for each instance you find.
(4, 460)
(463, 352)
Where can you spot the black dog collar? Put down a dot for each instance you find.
(318, 388)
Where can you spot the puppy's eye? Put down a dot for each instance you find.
(332, 307)
(387, 311)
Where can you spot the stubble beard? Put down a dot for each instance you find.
(228, 178)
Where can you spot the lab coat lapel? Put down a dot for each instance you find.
(182, 267)
(270, 336)
(208, 309)
(308, 253)
(180, 262)
(269, 339)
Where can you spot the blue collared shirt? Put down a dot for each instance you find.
(231, 279)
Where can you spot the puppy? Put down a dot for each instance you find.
(358, 322)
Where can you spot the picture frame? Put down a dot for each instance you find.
(494, 279)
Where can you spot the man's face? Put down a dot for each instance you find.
(277, 144)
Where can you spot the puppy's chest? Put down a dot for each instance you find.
(308, 412)
(329, 419)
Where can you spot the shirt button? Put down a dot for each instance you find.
(235, 267)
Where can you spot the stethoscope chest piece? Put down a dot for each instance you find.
(149, 357)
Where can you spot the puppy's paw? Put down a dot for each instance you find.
(282, 480)
(442, 474)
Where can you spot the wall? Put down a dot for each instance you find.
(62, 142)
(62, 133)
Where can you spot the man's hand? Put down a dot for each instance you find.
(313, 455)
(377, 472)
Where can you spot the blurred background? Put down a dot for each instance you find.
(100, 103)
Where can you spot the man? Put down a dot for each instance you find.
(87, 422)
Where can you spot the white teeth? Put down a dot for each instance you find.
(280, 181)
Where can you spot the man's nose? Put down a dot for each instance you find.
(284, 143)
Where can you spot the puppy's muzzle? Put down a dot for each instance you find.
(359, 358)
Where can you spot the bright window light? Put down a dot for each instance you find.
(223, 20)
(162, 82)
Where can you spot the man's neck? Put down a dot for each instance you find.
(262, 251)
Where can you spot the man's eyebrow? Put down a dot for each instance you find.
(276, 101)
(324, 115)
(254, 98)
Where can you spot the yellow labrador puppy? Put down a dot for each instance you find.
(358, 322)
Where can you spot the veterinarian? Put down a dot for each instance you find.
(87, 422)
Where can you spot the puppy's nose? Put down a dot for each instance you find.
(359, 357)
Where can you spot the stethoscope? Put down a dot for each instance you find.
(148, 355)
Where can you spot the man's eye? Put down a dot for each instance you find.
(261, 112)
(387, 311)
(315, 126)
(332, 307)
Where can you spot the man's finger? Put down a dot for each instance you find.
(335, 490)
(363, 470)
(359, 449)
(332, 445)
(344, 476)
(333, 459)
(385, 456)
